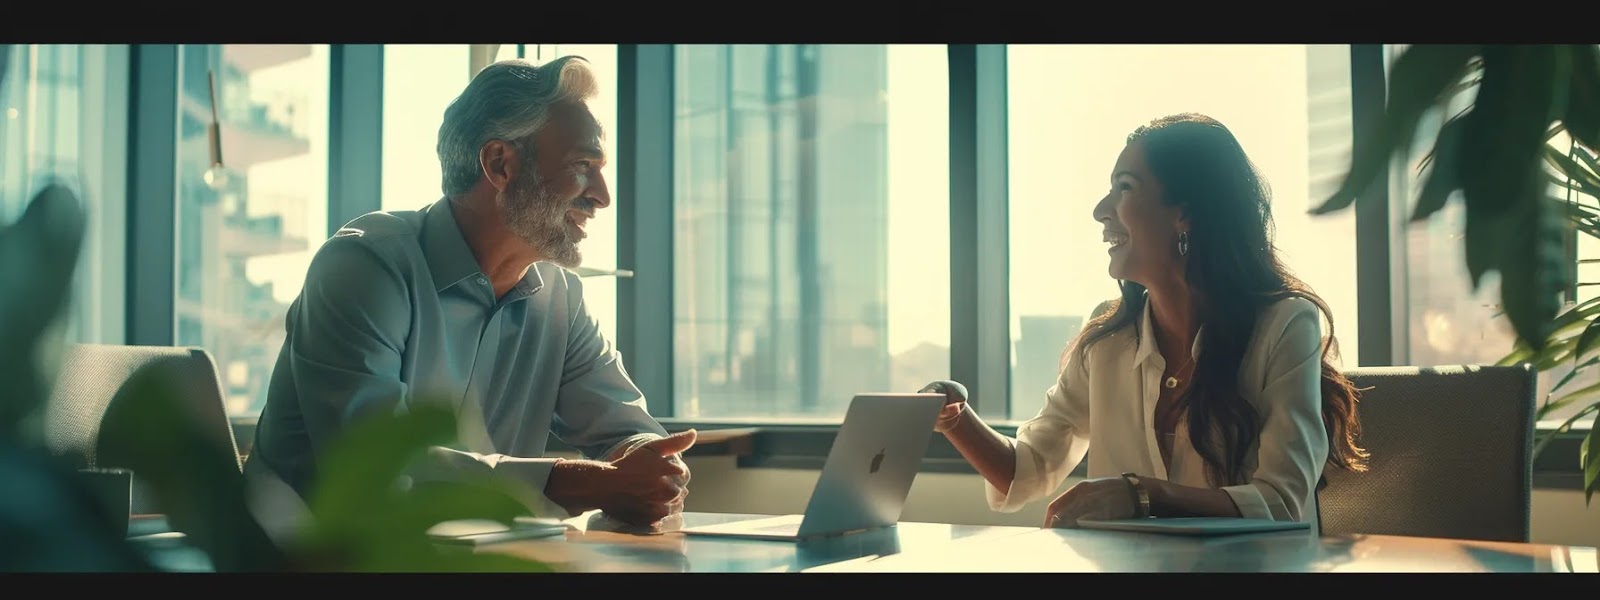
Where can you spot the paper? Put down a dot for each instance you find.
(476, 532)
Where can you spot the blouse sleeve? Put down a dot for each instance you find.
(1049, 446)
(1293, 446)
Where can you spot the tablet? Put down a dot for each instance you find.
(1194, 525)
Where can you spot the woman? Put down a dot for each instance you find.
(1206, 389)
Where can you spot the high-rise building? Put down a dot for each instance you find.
(782, 215)
(225, 223)
(1037, 356)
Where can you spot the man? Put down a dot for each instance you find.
(467, 301)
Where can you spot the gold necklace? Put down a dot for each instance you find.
(1172, 380)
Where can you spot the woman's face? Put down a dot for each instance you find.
(1141, 229)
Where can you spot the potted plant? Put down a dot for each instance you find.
(1532, 125)
(359, 518)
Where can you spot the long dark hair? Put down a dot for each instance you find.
(1233, 273)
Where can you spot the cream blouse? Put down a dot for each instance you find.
(1108, 401)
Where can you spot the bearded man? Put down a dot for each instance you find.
(470, 302)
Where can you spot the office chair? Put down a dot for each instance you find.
(91, 375)
(1451, 456)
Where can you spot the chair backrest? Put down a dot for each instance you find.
(91, 375)
(1451, 455)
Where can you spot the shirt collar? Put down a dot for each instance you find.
(449, 258)
(532, 282)
(1146, 340)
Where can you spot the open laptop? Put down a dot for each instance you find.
(867, 476)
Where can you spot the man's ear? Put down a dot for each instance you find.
(500, 161)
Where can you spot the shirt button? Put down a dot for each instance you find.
(482, 281)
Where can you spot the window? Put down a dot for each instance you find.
(63, 119)
(245, 235)
(1071, 109)
(811, 226)
(420, 81)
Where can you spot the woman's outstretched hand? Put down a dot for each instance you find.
(955, 403)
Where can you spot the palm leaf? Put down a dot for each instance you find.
(1419, 78)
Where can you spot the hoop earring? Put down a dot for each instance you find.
(1183, 243)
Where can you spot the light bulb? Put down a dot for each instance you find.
(216, 177)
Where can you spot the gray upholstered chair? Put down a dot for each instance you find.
(91, 375)
(1451, 455)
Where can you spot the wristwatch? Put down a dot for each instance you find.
(1141, 497)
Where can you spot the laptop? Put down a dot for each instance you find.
(867, 476)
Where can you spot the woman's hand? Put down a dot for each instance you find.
(1105, 498)
(955, 403)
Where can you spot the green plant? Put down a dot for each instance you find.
(362, 516)
(49, 519)
(1503, 155)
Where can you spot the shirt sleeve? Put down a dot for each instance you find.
(349, 331)
(1293, 446)
(599, 410)
(1051, 444)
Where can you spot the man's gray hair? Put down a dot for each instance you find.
(508, 100)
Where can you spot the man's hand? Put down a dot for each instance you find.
(644, 486)
(659, 476)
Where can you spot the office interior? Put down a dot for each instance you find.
(792, 224)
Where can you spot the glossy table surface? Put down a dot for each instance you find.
(597, 544)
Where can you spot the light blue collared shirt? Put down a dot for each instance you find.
(395, 311)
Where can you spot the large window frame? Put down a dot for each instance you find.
(979, 309)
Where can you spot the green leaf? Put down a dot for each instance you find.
(1516, 356)
(1417, 80)
(1590, 163)
(194, 475)
(1550, 436)
(1558, 346)
(364, 463)
(1576, 186)
(1553, 354)
(1531, 268)
(38, 256)
(391, 535)
(431, 503)
(1502, 143)
(1578, 315)
(1589, 457)
(1573, 373)
(1586, 342)
(1582, 118)
(1586, 179)
(1582, 394)
(1442, 177)
(1484, 235)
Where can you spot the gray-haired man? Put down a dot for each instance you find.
(469, 300)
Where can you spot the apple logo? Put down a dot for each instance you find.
(877, 461)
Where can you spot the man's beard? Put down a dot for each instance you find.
(538, 214)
